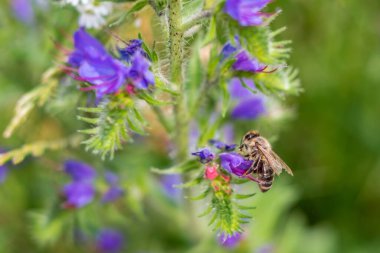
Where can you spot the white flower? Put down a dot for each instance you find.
(92, 15)
(76, 2)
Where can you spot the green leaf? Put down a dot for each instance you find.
(179, 168)
(244, 196)
(135, 8)
(225, 97)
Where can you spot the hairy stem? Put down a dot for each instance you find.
(176, 47)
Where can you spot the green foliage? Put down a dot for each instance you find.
(111, 125)
(35, 98)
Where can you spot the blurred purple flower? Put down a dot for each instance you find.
(114, 191)
(265, 249)
(139, 73)
(112, 194)
(96, 66)
(222, 146)
(245, 62)
(234, 163)
(3, 173)
(248, 106)
(230, 241)
(79, 171)
(168, 182)
(78, 194)
(23, 11)
(205, 155)
(80, 191)
(132, 47)
(109, 241)
(228, 49)
(246, 12)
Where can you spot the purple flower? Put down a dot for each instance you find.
(78, 194)
(230, 241)
(96, 66)
(168, 182)
(222, 146)
(244, 62)
(234, 163)
(109, 241)
(114, 191)
(246, 12)
(3, 173)
(139, 73)
(248, 106)
(79, 171)
(23, 11)
(205, 155)
(228, 50)
(127, 52)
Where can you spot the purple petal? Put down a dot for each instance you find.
(246, 12)
(237, 90)
(249, 109)
(234, 163)
(244, 62)
(127, 52)
(78, 194)
(205, 155)
(23, 11)
(3, 173)
(111, 178)
(113, 193)
(109, 241)
(139, 72)
(222, 146)
(230, 241)
(79, 171)
(168, 182)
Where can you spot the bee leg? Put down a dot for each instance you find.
(252, 178)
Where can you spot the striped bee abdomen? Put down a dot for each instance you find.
(266, 176)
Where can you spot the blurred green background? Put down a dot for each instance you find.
(333, 144)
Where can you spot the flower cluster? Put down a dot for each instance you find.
(81, 190)
(109, 241)
(92, 13)
(114, 191)
(247, 12)
(106, 74)
(232, 163)
(248, 106)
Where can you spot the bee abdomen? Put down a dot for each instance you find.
(265, 185)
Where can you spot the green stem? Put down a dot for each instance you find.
(176, 47)
(163, 120)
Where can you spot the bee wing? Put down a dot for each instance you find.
(274, 161)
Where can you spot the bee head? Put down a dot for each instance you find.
(250, 135)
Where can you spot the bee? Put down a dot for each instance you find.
(266, 163)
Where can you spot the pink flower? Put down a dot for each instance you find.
(211, 172)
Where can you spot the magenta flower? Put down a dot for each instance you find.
(248, 106)
(246, 12)
(109, 241)
(230, 241)
(114, 191)
(234, 163)
(205, 155)
(95, 66)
